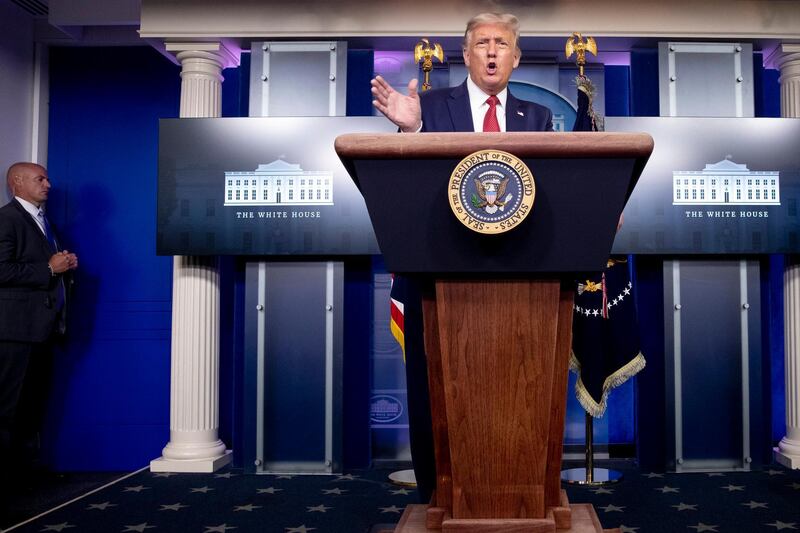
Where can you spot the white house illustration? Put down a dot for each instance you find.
(279, 183)
(725, 183)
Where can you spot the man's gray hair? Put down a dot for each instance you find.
(506, 19)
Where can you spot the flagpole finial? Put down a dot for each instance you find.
(576, 45)
(425, 51)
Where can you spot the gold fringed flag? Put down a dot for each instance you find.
(605, 334)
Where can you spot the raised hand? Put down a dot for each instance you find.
(403, 110)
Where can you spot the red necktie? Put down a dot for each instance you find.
(490, 120)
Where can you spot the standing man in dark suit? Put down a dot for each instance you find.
(32, 299)
(482, 103)
(491, 52)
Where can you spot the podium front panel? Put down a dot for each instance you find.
(570, 228)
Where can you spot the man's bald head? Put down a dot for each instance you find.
(29, 181)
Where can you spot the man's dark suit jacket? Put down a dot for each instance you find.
(449, 110)
(27, 290)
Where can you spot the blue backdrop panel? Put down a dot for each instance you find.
(617, 90)
(774, 329)
(644, 83)
(110, 404)
(766, 89)
(650, 384)
(359, 73)
(356, 363)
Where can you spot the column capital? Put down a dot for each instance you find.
(782, 54)
(225, 53)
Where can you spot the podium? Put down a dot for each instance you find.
(498, 315)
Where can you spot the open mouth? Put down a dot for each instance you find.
(491, 67)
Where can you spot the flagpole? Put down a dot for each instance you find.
(578, 44)
(589, 475)
(426, 52)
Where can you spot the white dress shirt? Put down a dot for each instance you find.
(34, 212)
(479, 107)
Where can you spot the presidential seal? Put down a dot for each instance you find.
(491, 191)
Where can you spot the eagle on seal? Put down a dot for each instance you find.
(491, 191)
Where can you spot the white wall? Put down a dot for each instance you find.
(16, 88)
(184, 19)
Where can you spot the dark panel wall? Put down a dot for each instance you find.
(618, 90)
(766, 88)
(644, 82)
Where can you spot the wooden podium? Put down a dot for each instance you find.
(498, 317)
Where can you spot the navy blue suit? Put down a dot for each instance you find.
(445, 110)
(449, 110)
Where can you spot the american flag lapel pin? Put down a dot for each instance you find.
(520, 113)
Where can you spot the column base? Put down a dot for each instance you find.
(785, 459)
(196, 466)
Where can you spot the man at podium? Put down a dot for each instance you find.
(482, 103)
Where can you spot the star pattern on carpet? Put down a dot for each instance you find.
(778, 525)
(222, 528)
(613, 508)
(686, 506)
(163, 474)
(137, 488)
(666, 488)
(138, 528)
(248, 507)
(731, 488)
(317, 503)
(715, 474)
(321, 508)
(704, 527)
(772, 472)
(284, 476)
(172, 507)
(100, 506)
(755, 505)
(57, 527)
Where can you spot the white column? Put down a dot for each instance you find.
(787, 58)
(194, 444)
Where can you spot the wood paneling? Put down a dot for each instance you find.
(521, 144)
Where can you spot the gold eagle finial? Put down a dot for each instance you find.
(424, 52)
(577, 45)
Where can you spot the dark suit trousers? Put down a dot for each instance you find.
(25, 370)
(420, 426)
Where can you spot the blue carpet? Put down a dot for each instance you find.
(766, 500)
(741, 502)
